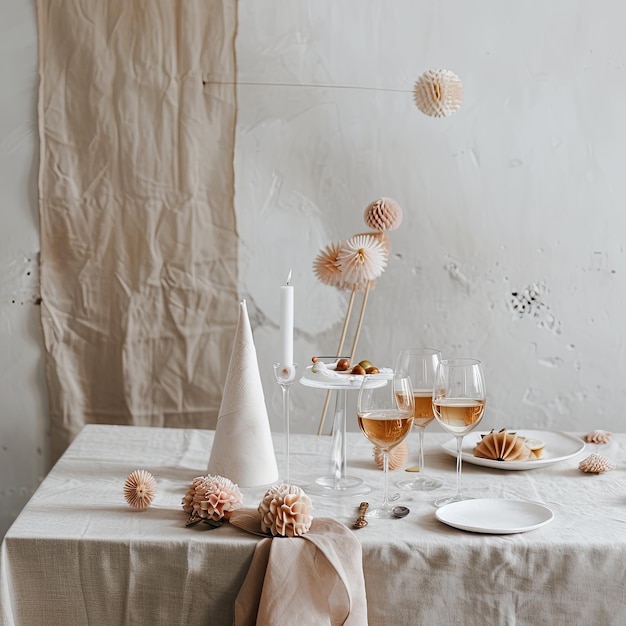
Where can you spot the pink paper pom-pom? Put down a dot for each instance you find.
(212, 497)
(285, 510)
(383, 214)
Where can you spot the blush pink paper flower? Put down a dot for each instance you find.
(326, 267)
(212, 497)
(286, 511)
(383, 214)
(598, 436)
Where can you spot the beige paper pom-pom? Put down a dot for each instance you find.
(596, 464)
(140, 489)
(326, 267)
(285, 510)
(397, 456)
(362, 259)
(212, 497)
(383, 214)
(438, 93)
(598, 436)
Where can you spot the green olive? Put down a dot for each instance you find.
(366, 364)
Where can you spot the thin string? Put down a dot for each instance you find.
(313, 85)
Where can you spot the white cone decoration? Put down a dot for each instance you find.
(242, 448)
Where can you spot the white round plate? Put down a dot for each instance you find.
(559, 446)
(495, 516)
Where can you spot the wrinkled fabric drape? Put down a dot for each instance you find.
(138, 235)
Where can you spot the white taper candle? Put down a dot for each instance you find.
(286, 323)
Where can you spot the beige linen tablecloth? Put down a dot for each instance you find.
(78, 554)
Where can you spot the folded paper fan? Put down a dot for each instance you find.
(503, 446)
(397, 456)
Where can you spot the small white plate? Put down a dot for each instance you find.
(559, 446)
(495, 516)
(337, 380)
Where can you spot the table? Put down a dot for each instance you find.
(77, 554)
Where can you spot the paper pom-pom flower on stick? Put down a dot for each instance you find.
(326, 266)
(361, 259)
(356, 264)
(140, 489)
(383, 214)
(438, 93)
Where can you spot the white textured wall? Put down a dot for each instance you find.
(522, 187)
(522, 191)
(23, 395)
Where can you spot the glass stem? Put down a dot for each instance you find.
(459, 446)
(286, 429)
(385, 480)
(420, 477)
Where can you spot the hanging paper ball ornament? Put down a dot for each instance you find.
(438, 93)
(383, 214)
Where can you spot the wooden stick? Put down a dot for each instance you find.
(361, 315)
(346, 322)
(342, 339)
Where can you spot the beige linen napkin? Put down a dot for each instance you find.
(242, 448)
(314, 579)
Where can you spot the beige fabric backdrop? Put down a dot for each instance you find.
(138, 233)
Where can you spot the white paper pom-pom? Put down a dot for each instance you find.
(286, 511)
(438, 93)
(362, 258)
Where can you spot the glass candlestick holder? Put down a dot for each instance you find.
(285, 376)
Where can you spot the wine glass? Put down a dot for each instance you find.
(385, 414)
(420, 364)
(459, 403)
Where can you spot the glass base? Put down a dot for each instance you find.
(380, 513)
(450, 499)
(291, 481)
(332, 482)
(424, 483)
(333, 486)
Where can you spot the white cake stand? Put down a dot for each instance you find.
(337, 481)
